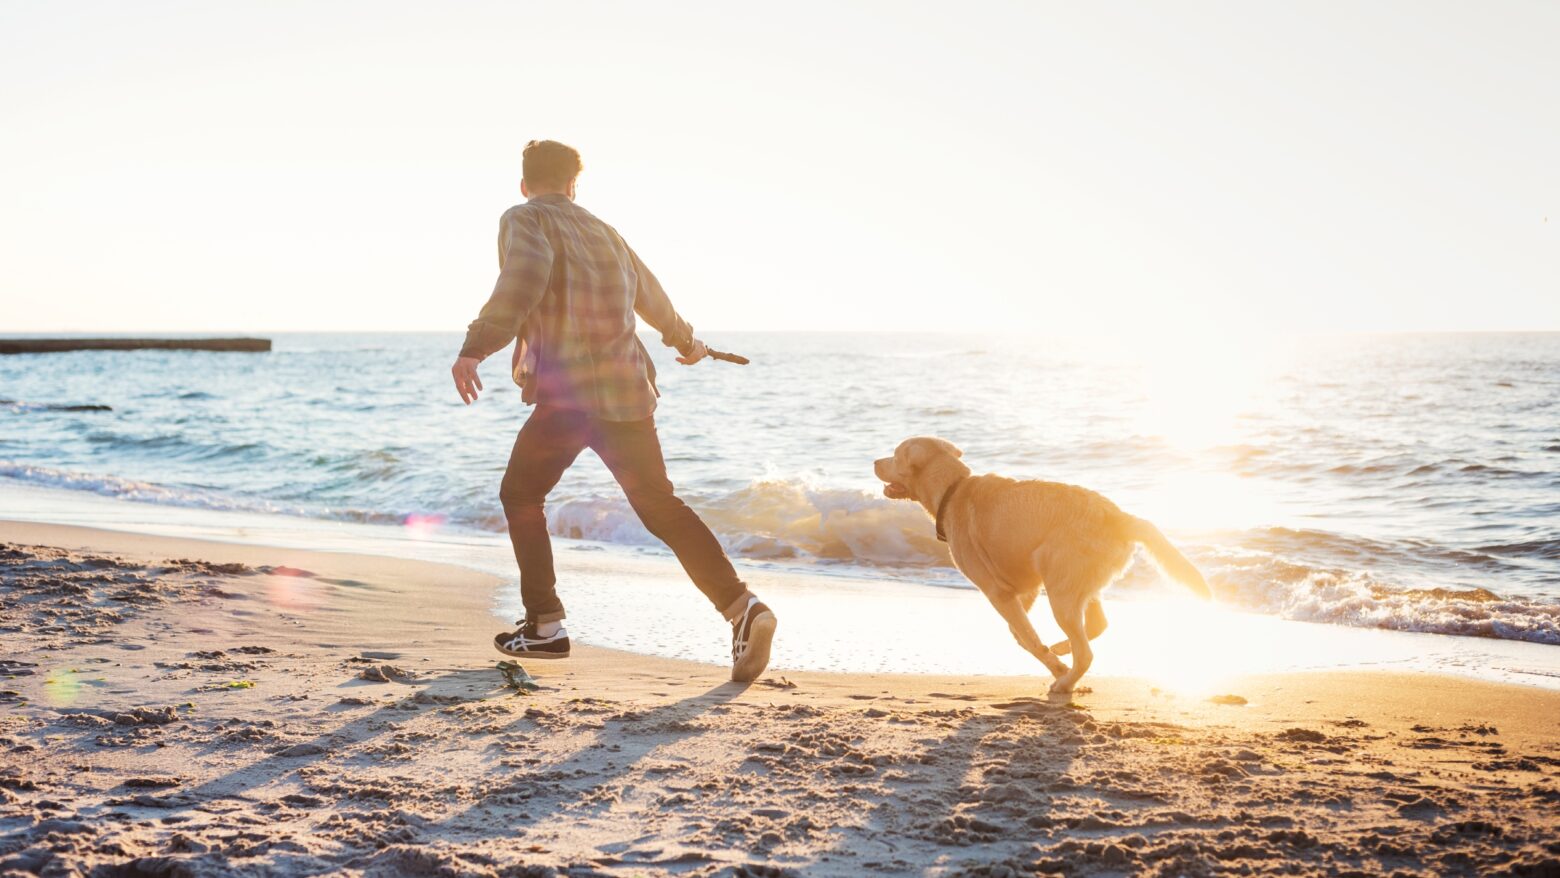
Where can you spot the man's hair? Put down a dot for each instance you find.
(550, 164)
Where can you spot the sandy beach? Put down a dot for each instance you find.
(180, 707)
(1221, 340)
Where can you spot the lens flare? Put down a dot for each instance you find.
(62, 688)
(422, 524)
(292, 593)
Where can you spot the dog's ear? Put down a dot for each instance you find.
(921, 450)
(949, 447)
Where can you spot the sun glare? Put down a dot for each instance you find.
(1195, 387)
(1190, 500)
(1178, 644)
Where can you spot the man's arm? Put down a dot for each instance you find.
(525, 266)
(651, 303)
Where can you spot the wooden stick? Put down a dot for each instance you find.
(725, 357)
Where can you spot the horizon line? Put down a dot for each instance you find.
(252, 333)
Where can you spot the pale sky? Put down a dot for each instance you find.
(1067, 167)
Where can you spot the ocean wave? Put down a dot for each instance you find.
(172, 446)
(1323, 545)
(1397, 470)
(778, 520)
(186, 497)
(128, 489)
(1275, 586)
(770, 520)
(1547, 549)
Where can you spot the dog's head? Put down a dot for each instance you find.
(912, 460)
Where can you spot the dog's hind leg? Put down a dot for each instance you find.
(1070, 613)
(1012, 611)
(1094, 624)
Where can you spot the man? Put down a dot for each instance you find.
(568, 288)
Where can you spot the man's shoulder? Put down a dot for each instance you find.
(523, 212)
(534, 211)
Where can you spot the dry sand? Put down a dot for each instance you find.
(268, 711)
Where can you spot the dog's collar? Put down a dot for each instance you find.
(942, 507)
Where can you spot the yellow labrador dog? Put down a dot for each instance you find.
(1012, 538)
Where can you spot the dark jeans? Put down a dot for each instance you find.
(548, 443)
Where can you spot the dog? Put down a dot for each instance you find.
(1013, 538)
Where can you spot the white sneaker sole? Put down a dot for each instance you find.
(524, 654)
(548, 656)
(761, 635)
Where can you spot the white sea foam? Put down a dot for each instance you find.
(165, 495)
(776, 520)
(127, 489)
(1361, 602)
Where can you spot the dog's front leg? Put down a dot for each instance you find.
(1024, 632)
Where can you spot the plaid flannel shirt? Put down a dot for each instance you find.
(568, 288)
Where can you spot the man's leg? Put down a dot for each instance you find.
(548, 443)
(632, 451)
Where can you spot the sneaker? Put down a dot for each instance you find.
(525, 643)
(751, 636)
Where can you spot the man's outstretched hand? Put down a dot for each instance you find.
(467, 382)
(696, 352)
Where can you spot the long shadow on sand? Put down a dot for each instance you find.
(976, 785)
(295, 757)
(981, 787)
(979, 792)
(585, 785)
(386, 819)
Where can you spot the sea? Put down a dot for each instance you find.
(1399, 482)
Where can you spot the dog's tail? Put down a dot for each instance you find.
(1169, 559)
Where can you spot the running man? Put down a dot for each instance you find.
(568, 288)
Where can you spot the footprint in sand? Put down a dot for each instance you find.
(287, 571)
(384, 674)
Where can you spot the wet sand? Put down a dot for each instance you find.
(177, 707)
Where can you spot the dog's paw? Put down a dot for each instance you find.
(1062, 648)
(1061, 687)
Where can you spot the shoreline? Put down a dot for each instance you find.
(615, 593)
(128, 742)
